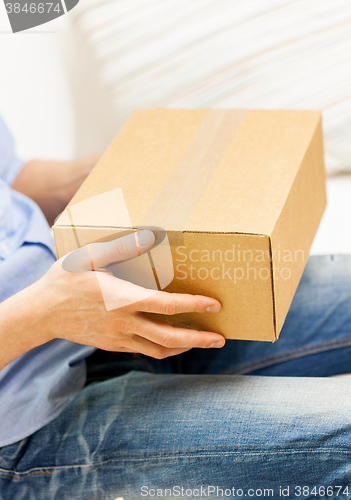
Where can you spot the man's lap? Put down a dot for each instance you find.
(143, 429)
(164, 428)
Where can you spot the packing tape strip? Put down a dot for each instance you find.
(73, 226)
(183, 189)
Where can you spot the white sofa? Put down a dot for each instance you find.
(121, 55)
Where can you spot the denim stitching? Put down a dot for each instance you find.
(27, 474)
(24, 474)
(288, 355)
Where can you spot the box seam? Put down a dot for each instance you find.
(272, 288)
(170, 231)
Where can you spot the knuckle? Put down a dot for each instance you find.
(170, 307)
(197, 304)
(159, 354)
(122, 326)
(168, 341)
(203, 343)
(122, 248)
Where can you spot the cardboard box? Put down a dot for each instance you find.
(239, 193)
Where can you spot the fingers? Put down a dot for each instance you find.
(171, 337)
(99, 255)
(144, 346)
(176, 303)
(164, 335)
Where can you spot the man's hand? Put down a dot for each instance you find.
(52, 184)
(70, 305)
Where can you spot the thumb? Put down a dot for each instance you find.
(95, 256)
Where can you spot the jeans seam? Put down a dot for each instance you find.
(25, 474)
(12, 476)
(288, 355)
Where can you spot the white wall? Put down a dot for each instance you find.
(35, 98)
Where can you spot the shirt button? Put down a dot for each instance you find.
(3, 247)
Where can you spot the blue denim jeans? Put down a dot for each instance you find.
(250, 420)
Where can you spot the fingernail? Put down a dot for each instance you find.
(213, 309)
(145, 237)
(219, 343)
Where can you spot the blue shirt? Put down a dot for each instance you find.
(38, 385)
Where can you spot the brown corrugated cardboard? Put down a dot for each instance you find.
(239, 193)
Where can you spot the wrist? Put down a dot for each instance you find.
(20, 324)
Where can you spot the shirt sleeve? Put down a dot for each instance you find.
(10, 164)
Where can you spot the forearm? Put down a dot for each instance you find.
(52, 184)
(19, 329)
